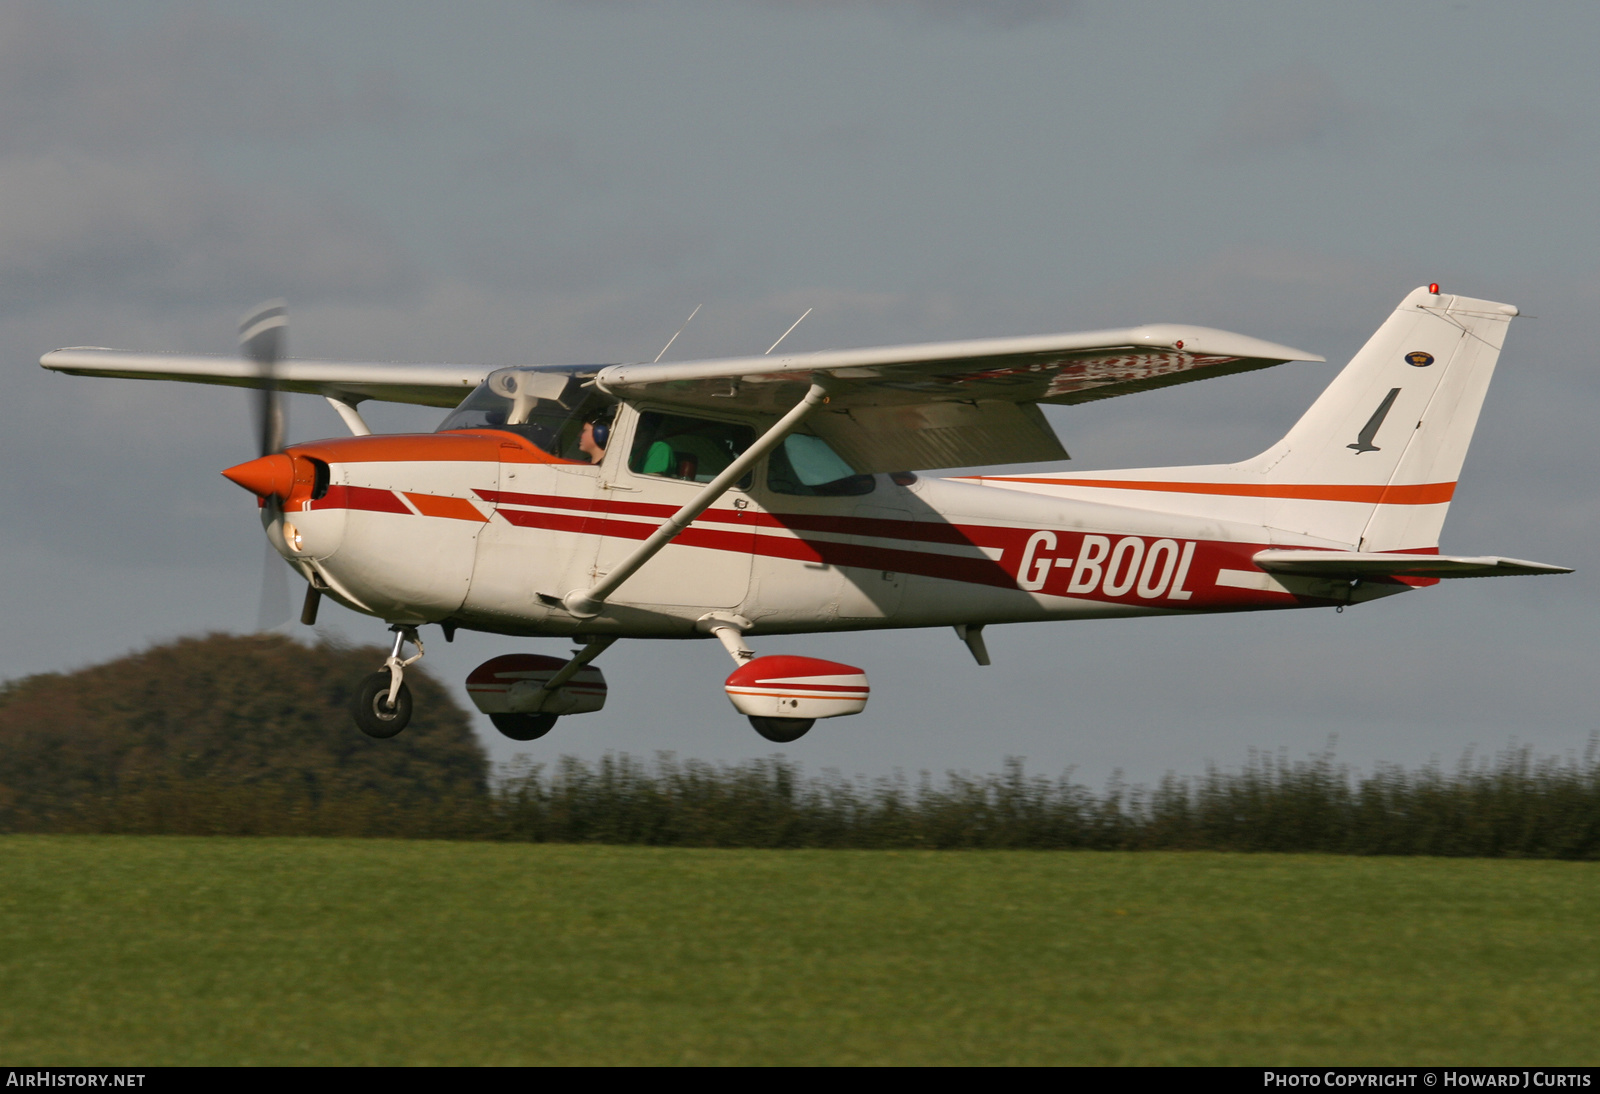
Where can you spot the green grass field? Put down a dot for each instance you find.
(166, 950)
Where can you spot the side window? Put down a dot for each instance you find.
(692, 449)
(806, 466)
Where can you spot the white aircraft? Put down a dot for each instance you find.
(743, 497)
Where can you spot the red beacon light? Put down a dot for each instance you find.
(1434, 288)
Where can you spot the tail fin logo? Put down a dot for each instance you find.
(1374, 423)
(1419, 359)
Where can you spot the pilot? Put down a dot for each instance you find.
(596, 435)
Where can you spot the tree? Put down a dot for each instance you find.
(238, 728)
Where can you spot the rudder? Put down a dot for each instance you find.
(1393, 427)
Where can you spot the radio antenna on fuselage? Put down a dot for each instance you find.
(674, 337)
(788, 332)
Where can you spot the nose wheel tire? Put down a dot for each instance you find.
(523, 727)
(374, 716)
(782, 730)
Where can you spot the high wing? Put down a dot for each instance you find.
(890, 408)
(950, 404)
(346, 381)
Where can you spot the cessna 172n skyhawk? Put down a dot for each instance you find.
(777, 495)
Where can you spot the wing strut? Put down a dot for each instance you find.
(585, 603)
(346, 409)
(591, 649)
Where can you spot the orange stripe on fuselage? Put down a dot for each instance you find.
(437, 505)
(1431, 493)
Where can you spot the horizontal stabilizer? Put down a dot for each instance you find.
(1372, 564)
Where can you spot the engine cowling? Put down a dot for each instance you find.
(783, 686)
(513, 684)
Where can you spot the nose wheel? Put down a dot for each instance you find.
(376, 714)
(383, 703)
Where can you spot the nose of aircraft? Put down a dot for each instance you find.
(265, 477)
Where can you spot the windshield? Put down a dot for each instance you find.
(548, 406)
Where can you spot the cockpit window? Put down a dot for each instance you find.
(548, 406)
(696, 449)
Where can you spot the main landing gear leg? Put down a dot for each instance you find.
(729, 630)
(383, 705)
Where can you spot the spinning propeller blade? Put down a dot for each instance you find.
(275, 606)
(263, 337)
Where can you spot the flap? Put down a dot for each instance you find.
(924, 435)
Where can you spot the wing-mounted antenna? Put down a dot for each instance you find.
(677, 332)
(790, 331)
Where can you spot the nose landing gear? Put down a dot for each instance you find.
(383, 703)
(375, 713)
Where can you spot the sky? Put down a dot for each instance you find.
(564, 182)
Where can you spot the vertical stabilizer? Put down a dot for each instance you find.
(1392, 429)
(1371, 466)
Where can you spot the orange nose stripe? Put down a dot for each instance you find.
(266, 477)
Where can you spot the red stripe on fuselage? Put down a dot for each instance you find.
(975, 571)
(360, 497)
(879, 527)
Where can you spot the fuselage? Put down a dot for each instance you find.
(483, 529)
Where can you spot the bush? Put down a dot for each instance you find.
(1513, 805)
(230, 734)
(235, 735)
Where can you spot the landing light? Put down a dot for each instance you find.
(291, 537)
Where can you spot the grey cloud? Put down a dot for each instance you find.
(995, 13)
(106, 186)
(999, 14)
(189, 75)
(1292, 107)
(1516, 132)
(159, 231)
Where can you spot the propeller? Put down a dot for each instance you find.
(263, 335)
(263, 338)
